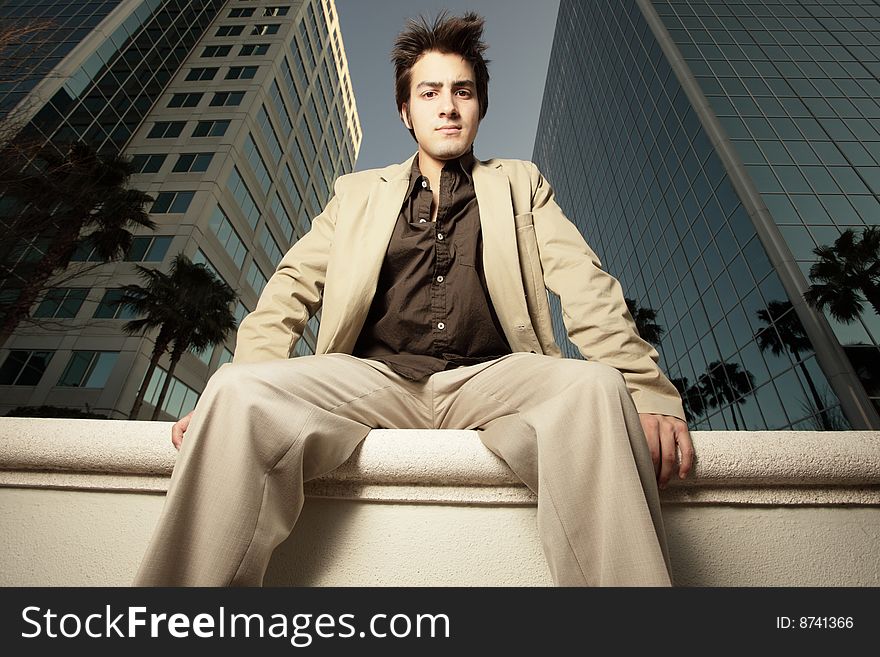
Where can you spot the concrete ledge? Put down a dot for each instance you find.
(451, 467)
(79, 500)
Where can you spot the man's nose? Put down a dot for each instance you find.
(447, 107)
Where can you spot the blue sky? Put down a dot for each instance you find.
(519, 34)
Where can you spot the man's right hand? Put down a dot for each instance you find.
(178, 429)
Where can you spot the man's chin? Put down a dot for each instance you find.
(450, 151)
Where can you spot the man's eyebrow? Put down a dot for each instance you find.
(458, 83)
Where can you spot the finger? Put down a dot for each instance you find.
(667, 450)
(652, 436)
(176, 435)
(686, 449)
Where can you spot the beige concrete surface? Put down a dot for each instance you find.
(79, 499)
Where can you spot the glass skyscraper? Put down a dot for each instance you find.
(239, 116)
(705, 150)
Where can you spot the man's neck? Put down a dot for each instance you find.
(431, 168)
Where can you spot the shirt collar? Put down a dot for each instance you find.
(463, 164)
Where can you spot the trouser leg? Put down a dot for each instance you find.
(570, 431)
(260, 431)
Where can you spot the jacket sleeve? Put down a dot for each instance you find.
(292, 295)
(594, 311)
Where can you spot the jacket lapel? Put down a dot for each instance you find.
(500, 257)
(363, 241)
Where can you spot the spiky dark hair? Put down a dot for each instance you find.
(460, 35)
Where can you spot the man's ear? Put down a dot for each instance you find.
(404, 116)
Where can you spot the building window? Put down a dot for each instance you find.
(269, 133)
(261, 30)
(291, 186)
(227, 236)
(275, 11)
(225, 357)
(303, 348)
(299, 66)
(257, 165)
(307, 139)
(88, 369)
(62, 302)
(205, 355)
(110, 308)
(180, 398)
(243, 197)
(241, 12)
(150, 248)
(281, 108)
(201, 74)
(241, 72)
(301, 168)
(254, 49)
(216, 51)
(185, 100)
(210, 128)
(256, 278)
(166, 129)
(227, 98)
(147, 163)
(229, 30)
(192, 163)
(281, 215)
(241, 312)
(172, 202)
(24, 368)
(270, 246)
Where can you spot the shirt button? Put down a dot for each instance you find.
(440, 236)
(424, 184)
(439, 279)
(441, 325)
(423, 221)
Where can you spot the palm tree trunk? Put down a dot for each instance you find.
(159, 348)
(175, 358)
(58, 255)
(733, 415)
(823, 413)
(742, 418)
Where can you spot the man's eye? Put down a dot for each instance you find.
(427, 93)
(464, 91)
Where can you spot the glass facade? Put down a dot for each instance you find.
(795, 87)
(237, 155)
(634, 168)
(55, 27)
(110, 93)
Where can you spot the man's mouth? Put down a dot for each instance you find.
(450, 129)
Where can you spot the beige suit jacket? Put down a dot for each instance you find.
(528, 245)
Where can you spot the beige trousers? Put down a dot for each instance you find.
(568, 428)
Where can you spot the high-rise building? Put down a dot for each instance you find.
(239, 116)
(705, 149)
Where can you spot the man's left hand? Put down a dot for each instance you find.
(663, 433)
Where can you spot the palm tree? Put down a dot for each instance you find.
(789, 334)
(690, 398)
(191, 308)
(57, 202)
(846, 275)
(644, 319)
(725, 383)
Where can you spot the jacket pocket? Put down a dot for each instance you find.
(533, 282)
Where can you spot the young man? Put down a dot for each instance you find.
(432, 276)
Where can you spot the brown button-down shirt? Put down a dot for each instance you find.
(432, 309)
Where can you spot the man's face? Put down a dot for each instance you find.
(443, 109)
